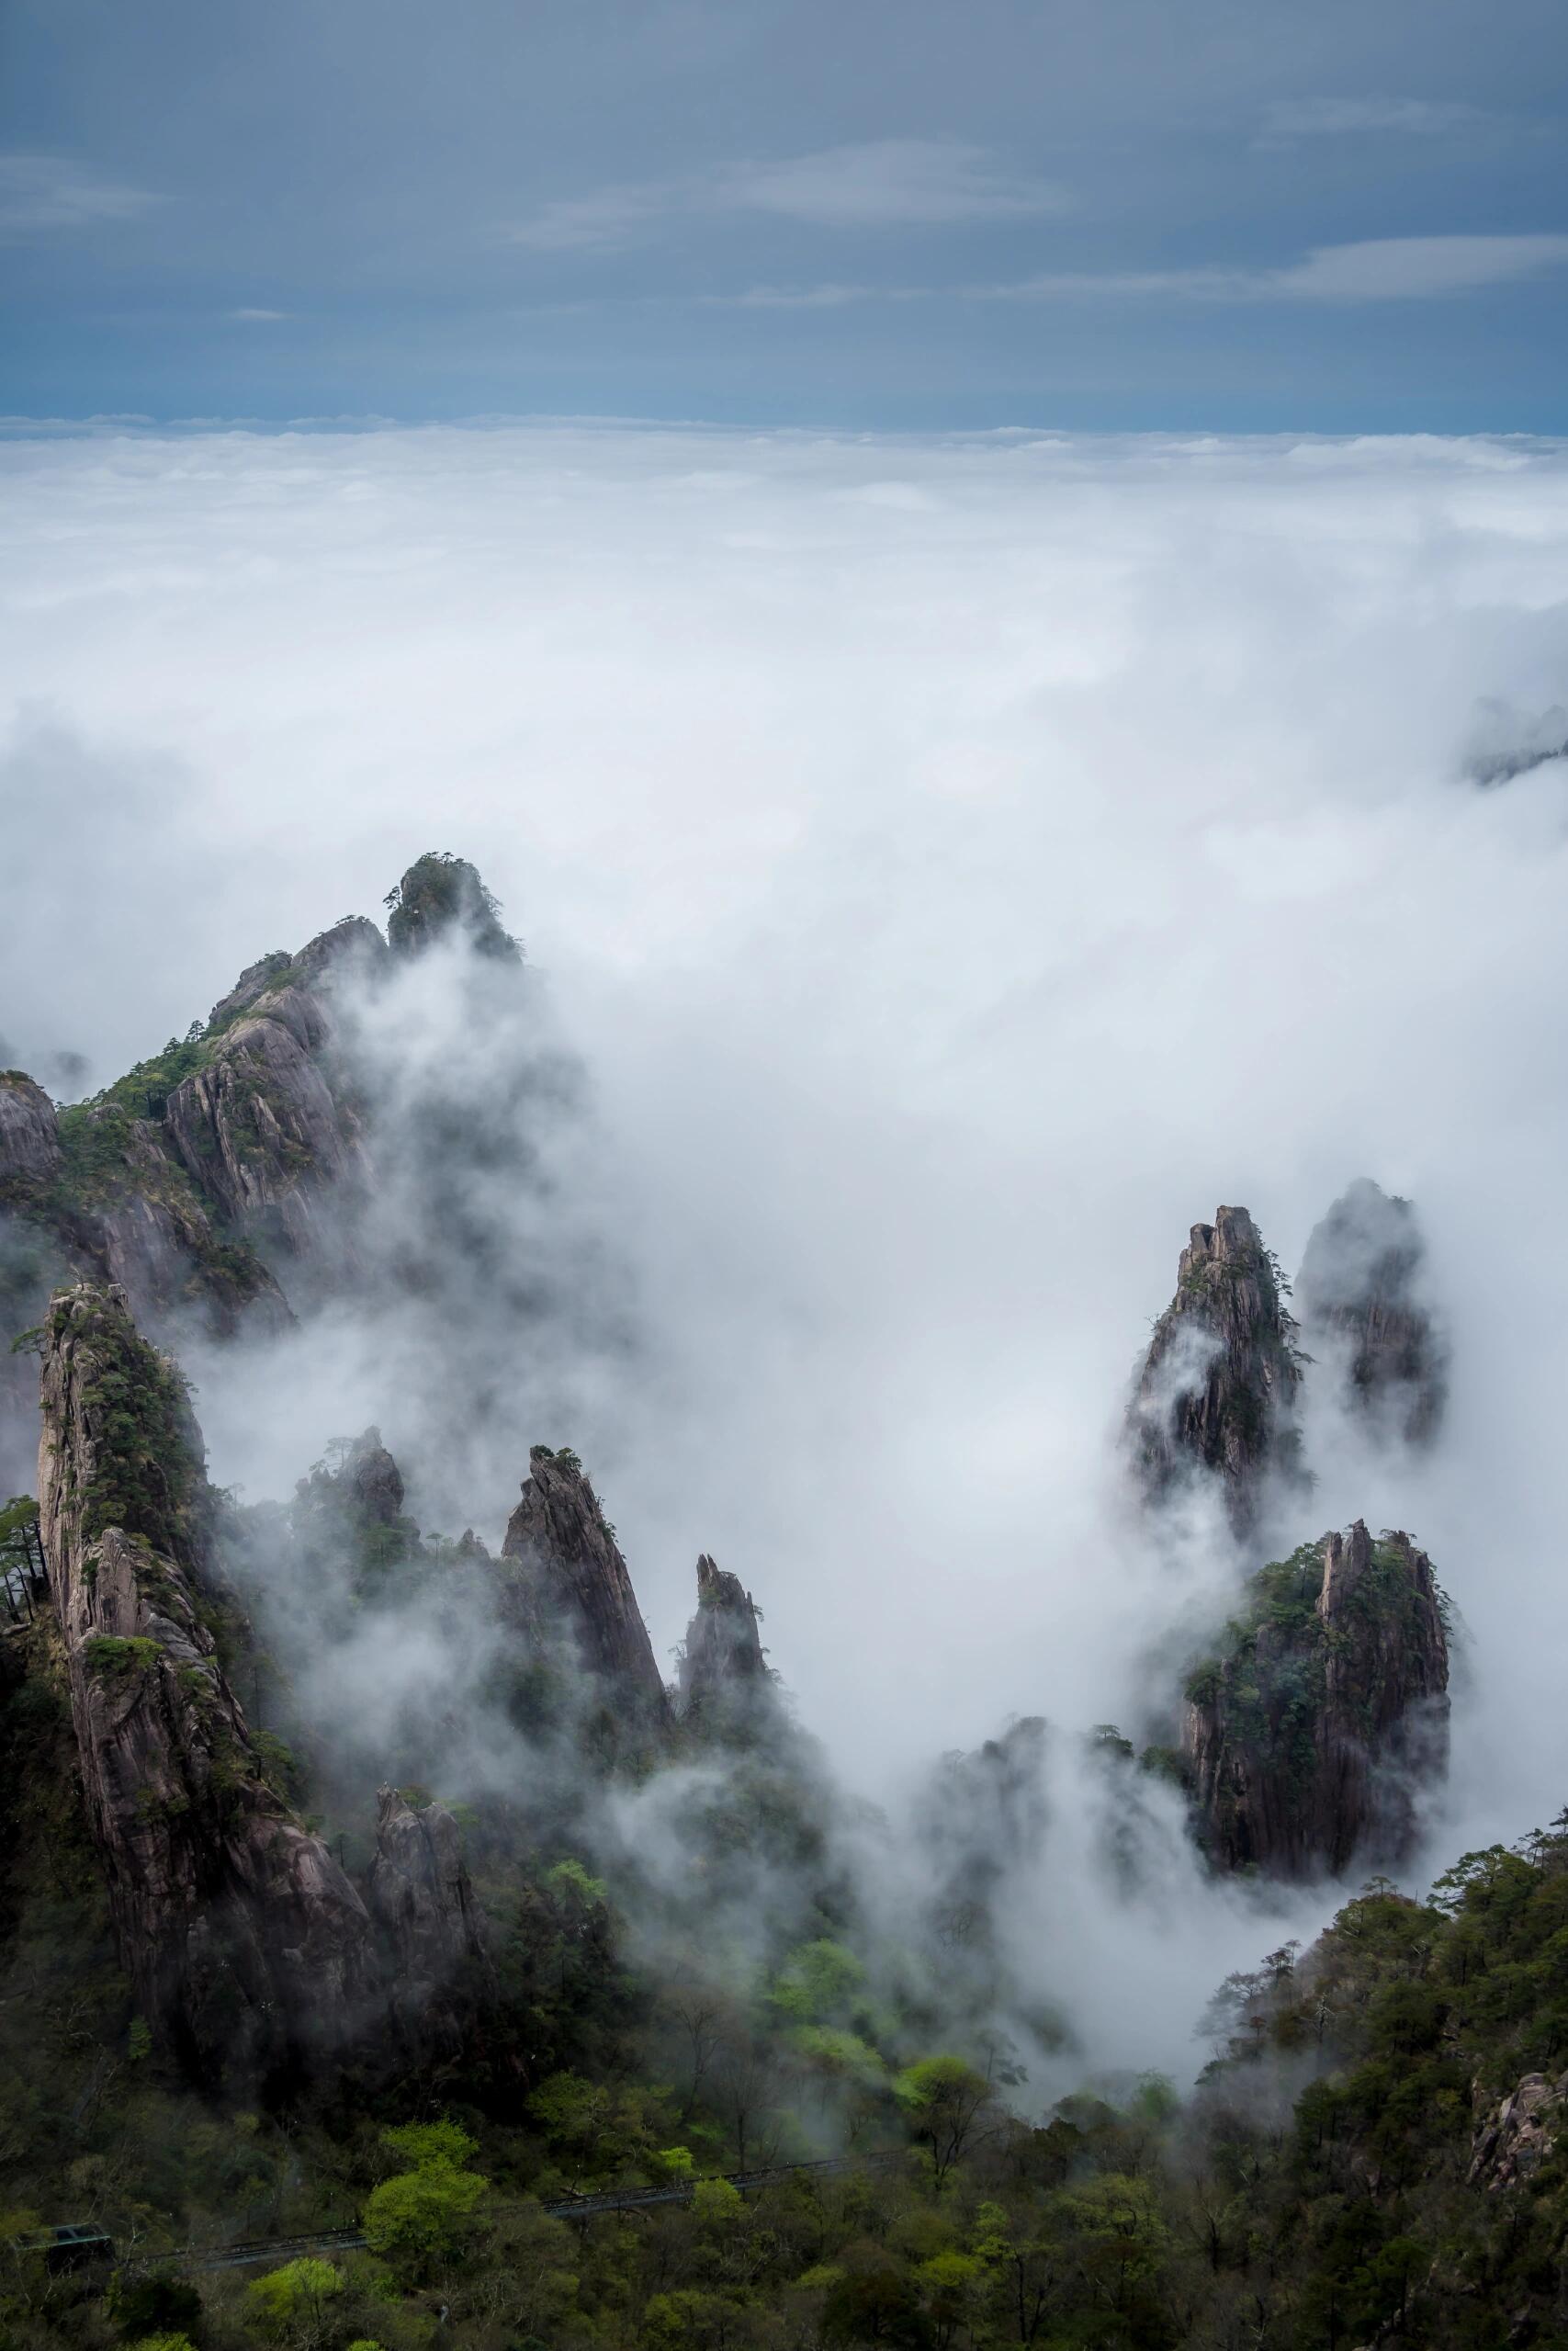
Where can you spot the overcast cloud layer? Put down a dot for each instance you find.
(962, 866)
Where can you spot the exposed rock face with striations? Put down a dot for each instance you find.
(724, 1679)
(568, 1577)
(424, 1904)
(1216, 1395)
(1517, 2139)
(1309, 1735)
(1363, 1322)
(261, 1127)
(29, 1132)
(250, 1950)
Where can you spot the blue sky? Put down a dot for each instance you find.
(884, 214)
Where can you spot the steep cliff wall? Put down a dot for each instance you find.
(1216, 1393)
(1310, 1733)
(250, 1950)
(1364, 1321)
(563, 1577)
(436, 1933)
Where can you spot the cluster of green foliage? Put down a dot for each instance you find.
(134, 1407)
(439, 892)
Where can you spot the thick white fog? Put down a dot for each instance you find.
(961, 866)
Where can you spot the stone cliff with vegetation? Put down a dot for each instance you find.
(359, 1878)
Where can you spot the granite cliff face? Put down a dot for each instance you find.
(1216, 1394)
(266, 1128)
(436, 1933)
(1363, 1319)
(29, 1132)
(1309, 1734)
(250, 1950)
(563, 1579)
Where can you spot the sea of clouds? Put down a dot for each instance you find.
(961, 865)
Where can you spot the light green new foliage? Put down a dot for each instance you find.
(422, 2143)
(424, 2216)
(290, 2304)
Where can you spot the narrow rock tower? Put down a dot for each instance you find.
(1216, 1394)
(251, 1953)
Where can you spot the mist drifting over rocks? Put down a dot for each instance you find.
(993, 855)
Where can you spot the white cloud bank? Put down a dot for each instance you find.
(963, 865)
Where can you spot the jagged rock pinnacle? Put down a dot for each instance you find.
(573, 1574)
(1362, 1321)
(1217, 1390)
(724, 1675)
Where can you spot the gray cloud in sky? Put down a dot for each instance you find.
(39, 194)
(1307, 118)
(876, 184)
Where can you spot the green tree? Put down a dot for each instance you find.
(946, 2101)
(292, 2304)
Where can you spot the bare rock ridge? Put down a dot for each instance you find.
(1363, 1322)
(215, 1175)
(567, 1577)
(724, 1677)
(1309, 1735)
(1216, 1394)
(251, 1953)
(265, 1126)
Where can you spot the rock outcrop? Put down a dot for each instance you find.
(265, 1127)
(565, 1578)
(441, 896)
(29, 1133)
(1309, 1736)
(372, 1481)
(250, 1950)
(725, 1684)
(1216, 1394)
(1514, 2143)
(436, 1935)
(1363, 1322)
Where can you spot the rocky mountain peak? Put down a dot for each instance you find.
(1216, 1393)
(723, 1673)
(570, 1575)
(372, 1480)
(1363, 1318)
(441, 895)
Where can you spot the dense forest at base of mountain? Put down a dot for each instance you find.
(1344, 2174)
